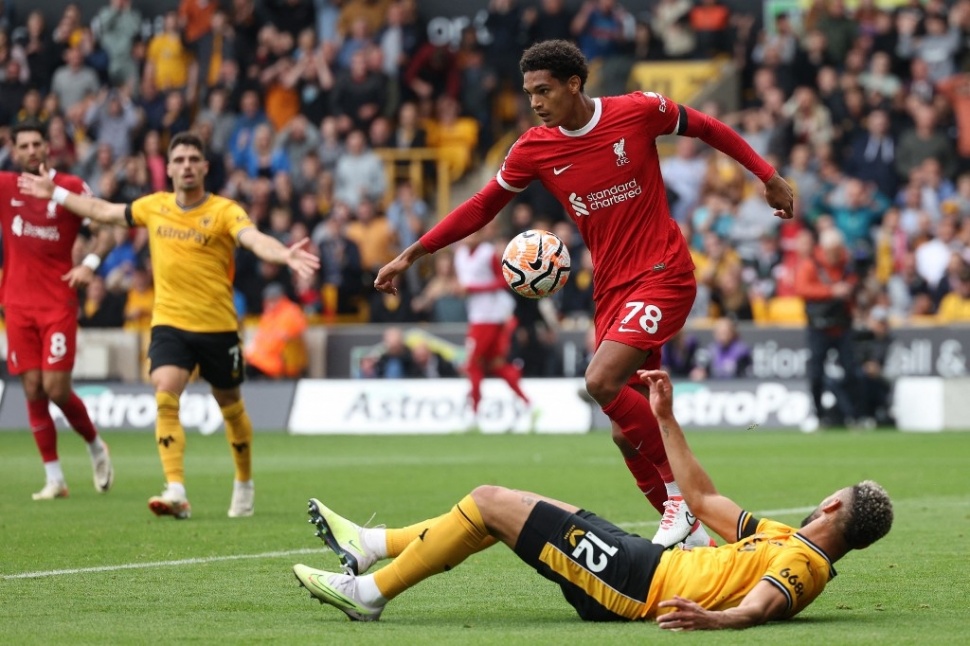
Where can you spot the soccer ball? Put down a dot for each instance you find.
(536, 264)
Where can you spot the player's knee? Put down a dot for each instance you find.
(167, 402)
(488, 498)
(601, 387)
(57, 393)
(33, 387)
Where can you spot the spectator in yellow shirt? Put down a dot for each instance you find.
(141, 298)
(454, 136)
(955, 306)
(168, 64)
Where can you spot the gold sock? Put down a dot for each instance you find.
(397, 539)
(170, 436)
(239, 432)
(440, 547)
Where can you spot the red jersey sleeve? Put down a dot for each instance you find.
(517, 170)
(661, 115)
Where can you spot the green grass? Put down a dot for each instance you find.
(911, 588)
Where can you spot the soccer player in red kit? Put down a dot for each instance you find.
(490, 308)
(40, 307)
(598, 157)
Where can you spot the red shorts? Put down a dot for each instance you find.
(647, 316)
(488, 341)
(40, 339)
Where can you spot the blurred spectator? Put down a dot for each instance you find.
(729, 297)
(839, 28)
(290, 16)
(875, 389)
(374, 237)
(297, 140)
(924, 141)
(678, 356)
(933, 256)
(262, 159)
(709, 19)
(358, 95)
(372, 11)
(313, 77)
(504, 24)
(359, 173)
(40, 53)
(168, 64)
(601, 27)
(855, 213)
(683, 173)
(669, 20)
(276, 350)
(955, 306)
(250, 116)
(61, 154)
(442, 298)
(575, 300)
(551, 20)
(430, 364)
(408, 215)
(331, 147)
(140, 300)
(340, 262)
(873, 154)
(726, 357)
(116, 26)
(213, 49)
(395, 360)
(825, 280)
(455, 137)
(113, 117)
(217, 113)
(937, 46)
(13, 90)
(196, 19)
(432, 72)
(101, 308)
(73, 81)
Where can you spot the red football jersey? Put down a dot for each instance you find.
(607, 176)
(38, 238)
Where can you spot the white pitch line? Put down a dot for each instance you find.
(151, 564)
(266, 555)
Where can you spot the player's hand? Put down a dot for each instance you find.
(687, 615)
(302, 262)
(385, 277)
(79, 276)
(661, 392)
(39, 186)
(780, 196)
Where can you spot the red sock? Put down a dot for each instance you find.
(512, 376)
(648, 480)
(631, 411)
(475, 375)
(42, 424)
(77, 416)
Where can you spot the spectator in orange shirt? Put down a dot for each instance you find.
(195, 19)
(275, 352)
(709, 20)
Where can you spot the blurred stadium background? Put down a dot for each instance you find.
(360, 123)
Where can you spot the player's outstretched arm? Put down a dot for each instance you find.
(385, 277)
(82, 274)
(764, 603)
(716, 511)
(41, 186)
(296, 256)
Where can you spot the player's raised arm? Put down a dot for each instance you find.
(43, 187)
(470, 216)
(268, 248)
(716, 511)
(718, 135)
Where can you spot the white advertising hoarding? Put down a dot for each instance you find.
(421, 406)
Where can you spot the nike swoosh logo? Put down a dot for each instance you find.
(627, 329)
(354, 545)
(560, 171)
(691, 518)
(53, 359)
(19, 203)
(537, 263)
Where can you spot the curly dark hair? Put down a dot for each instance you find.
(29, 125)
(560, 58)
(869, 517)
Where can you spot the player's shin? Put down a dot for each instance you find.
(77, 416)
(170, 436)
(648, 480)
(456, 536)
(631, 412)
(42, 425)
(239, 433)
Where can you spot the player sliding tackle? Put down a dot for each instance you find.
(598, 157)
(768, 570)
(193, 237)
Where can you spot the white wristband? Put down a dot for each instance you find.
(60, 194)
(92, 261)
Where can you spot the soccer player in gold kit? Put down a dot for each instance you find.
(767, 570)
(192, 239)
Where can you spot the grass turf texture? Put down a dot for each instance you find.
(907, 589)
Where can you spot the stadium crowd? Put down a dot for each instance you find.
(866, 112)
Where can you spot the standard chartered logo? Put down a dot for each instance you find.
(137, 410)
(578, 205)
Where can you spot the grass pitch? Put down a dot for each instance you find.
(100, 569)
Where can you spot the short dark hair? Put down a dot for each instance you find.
(30, 125)
(187, 139)
(560, 58)
(869, 515)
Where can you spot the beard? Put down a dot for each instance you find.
(817, 513)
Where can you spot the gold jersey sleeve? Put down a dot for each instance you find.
(719, 578)
(193, 259)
